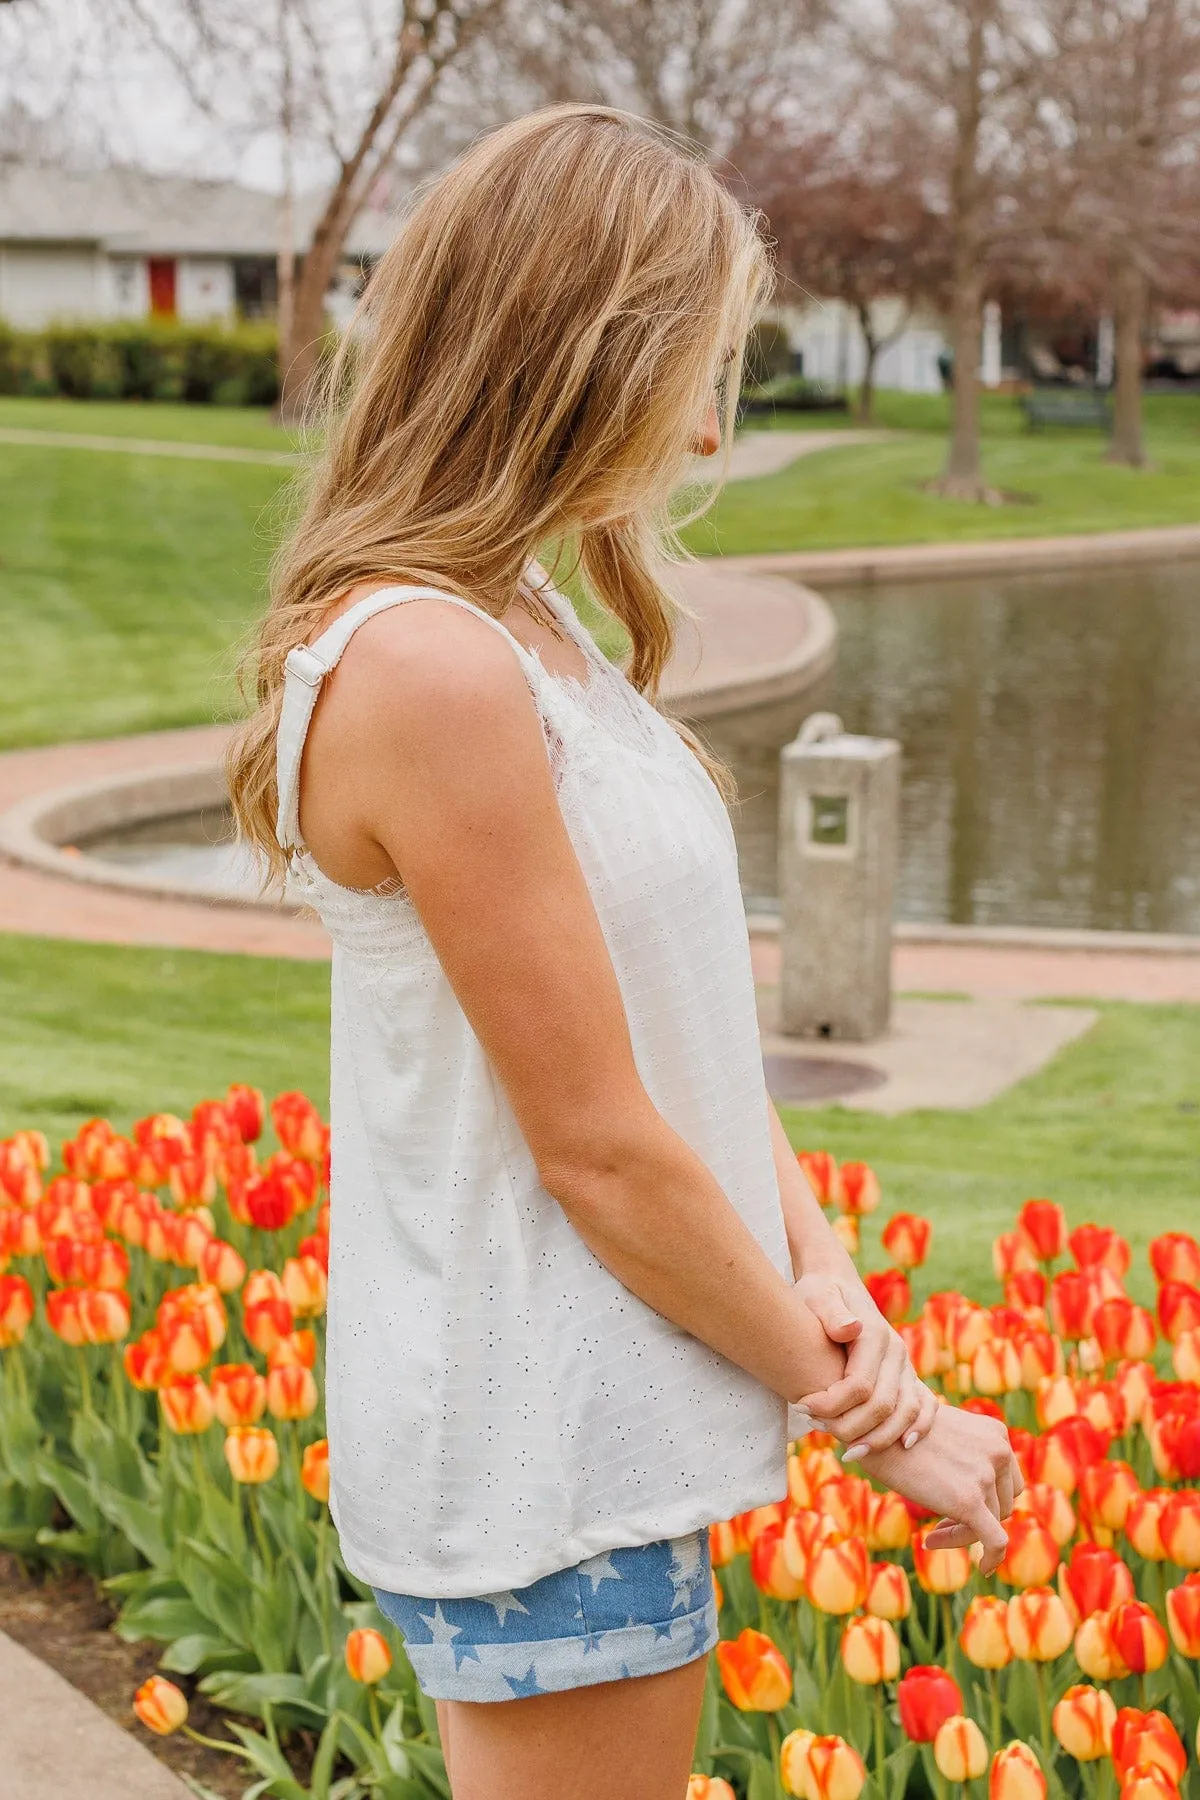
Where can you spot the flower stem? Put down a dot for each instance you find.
(1039, 1671)
(880, 1738)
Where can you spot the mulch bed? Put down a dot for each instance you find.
(64, 1620)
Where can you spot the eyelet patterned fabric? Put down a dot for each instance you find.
(500, 1406)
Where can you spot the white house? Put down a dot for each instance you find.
(828, 336)
(122, 243)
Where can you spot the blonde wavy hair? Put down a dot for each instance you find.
(526, 369)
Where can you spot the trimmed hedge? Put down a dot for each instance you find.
(144, 359)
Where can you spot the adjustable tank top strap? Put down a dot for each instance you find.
(306, 667)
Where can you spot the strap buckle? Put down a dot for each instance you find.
(306, 666)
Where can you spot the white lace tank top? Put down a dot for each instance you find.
(501, 1406)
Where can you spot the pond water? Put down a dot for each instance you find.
(1051, 733)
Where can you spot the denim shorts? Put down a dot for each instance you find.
(626, 1612)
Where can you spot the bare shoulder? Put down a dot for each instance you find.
(429, 672)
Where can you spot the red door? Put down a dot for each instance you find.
(161, 271)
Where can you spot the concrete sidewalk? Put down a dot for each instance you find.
(55, 1745)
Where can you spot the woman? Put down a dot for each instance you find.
(576, 1276)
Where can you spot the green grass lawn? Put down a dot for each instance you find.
(873, 494)
(1111, 1128)
(245, 427)
(126, 581)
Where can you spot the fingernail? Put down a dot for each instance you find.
(914, 1437)
(852, 1452)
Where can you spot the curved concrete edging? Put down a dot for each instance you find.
(905, 562)
(741, 644)
(766, 924)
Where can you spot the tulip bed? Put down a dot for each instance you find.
(161, 1298)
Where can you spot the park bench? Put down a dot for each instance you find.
(1066, 406)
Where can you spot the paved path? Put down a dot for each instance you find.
(126, 446)
(56, 1745)
(757, 453)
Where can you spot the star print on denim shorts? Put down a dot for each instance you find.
(631, 1611)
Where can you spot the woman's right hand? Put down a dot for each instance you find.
(964, 1470)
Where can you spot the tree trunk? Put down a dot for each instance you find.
(1129, 298)
(864, 410)
(300, 351)
(962, 478)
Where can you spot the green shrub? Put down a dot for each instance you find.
(83, 363)
(144, 359)
(768, 353)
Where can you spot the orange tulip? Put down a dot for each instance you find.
(1083, 1722)
(1185, 1356)
(252, 1452)
(809, 1468)
(1123, 1329)
(239, 1394)
(1012, 1255)
(367, 1655)
(1140, 1640)
(906, 1239)
(870, 1651)
(1051, 1509)
(1039, 1625)
(996, 1368)
(1179, 1528)
(1041, 1358)
(1176, 1257)
(722, 1543)
(835, 1769)
(940, 1571)
(160, 1706)
(1025, 1289)
(821, 1173)
(860, 1189)
(1183, 1616)
(847, 1501)
(984, 1633)
(924, 1345)
(1016, 1774)
(967, 1327)
(749, 1524)
(1043, 1226)
(304, 1286)
(221, 1266)
(888, 1593)
(793, 1762)
(265, 1322)
(145, 1362)
(299, 1347)
(753, 1671)
(1032, 1554)
(291, 1392)
(1143, 1523)
(88, 1315)
(709, 1787)
(1146, 1737)
(959, 1749)
(1106, 1492)
(845, 1229)
(1095, 1580)
(187, 1405)
(298, 1126)
(771, 1569)
(314, 1472)
(1178, 1309)
(1095, 1651)
(837, 1575)
(1146, 1781)
(889, 1522)
(16, 1309)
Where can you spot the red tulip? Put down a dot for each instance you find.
(298, 1126)
(1043, 1225)
(1072, 1304)
(1183, 1616)
(821, 1172)
(927, 1696)
(1099, 1246)
(1178, 1309)
(246, 1109)
(890, 1291)
(1147, 1737)
(1140, 1640)
(860, 1189)
(16, 1309)
(1095, 1580)
(1123, 1329)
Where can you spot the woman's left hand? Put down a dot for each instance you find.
(880, 1399)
